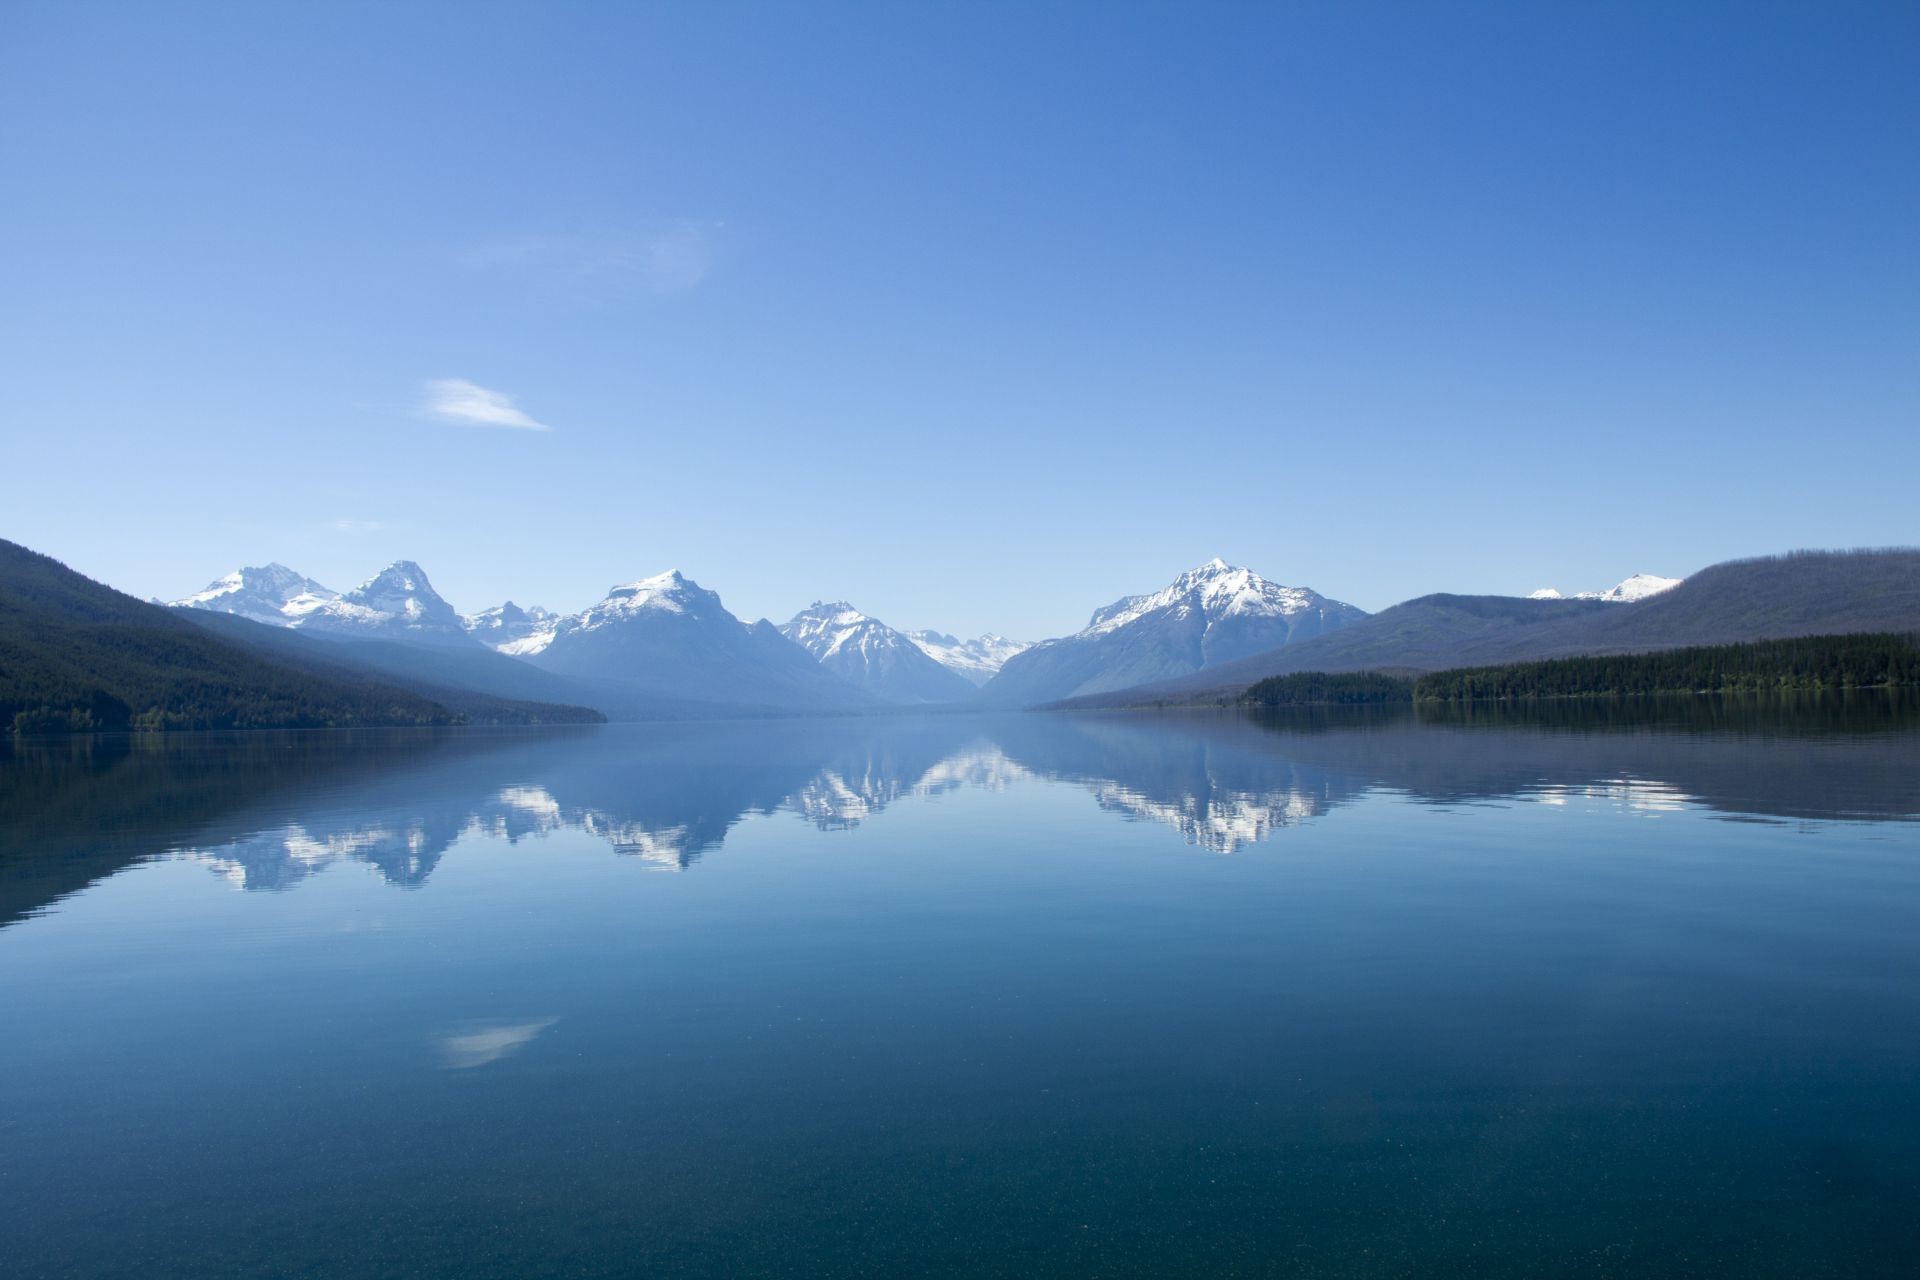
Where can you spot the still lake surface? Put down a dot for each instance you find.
(1604, 990)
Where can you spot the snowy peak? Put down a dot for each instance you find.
(824, 629)
(976, 661)
(397, 601)
(1214, 613)
(270, 593)
(1638, 587)
(871, 655)
(671, 592)
(1215, 590)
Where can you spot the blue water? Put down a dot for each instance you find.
(1597, 992)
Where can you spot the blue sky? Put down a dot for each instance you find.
(977, 316)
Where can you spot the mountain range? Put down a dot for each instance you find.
(1775, 597)
(664, 647)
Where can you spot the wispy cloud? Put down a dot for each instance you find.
(670, 258)
(489, 1043)
(345, 525)
(472, 405)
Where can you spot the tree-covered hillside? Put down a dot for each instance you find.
(77, 656)
(1764, 666)
(1807, 664)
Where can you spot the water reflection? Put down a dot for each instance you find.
(268, 811)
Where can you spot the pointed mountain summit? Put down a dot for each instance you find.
(976, 661)
(398, 603)
(1214, 613)
(870, 655)
(669, 635)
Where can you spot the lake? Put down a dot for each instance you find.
(1609, 990)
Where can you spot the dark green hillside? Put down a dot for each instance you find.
(1320, 689)
(1804, 664)
(78, 656)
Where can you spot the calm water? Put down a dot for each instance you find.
(1597, 992)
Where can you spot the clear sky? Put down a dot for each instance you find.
(977, 316)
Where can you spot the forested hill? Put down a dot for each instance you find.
(78, 656)
(1805, 664)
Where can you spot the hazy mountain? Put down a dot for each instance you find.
(870, 655)
(270, 593)
(669, 635)
(1807, 593)
(977, 661)
(484, 687)
(508, 628)
(1208, 615)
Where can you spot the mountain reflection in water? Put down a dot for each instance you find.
(268, 810)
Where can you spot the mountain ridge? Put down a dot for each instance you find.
(1765, 597)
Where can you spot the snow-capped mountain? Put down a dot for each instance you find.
(1638, 587)
(670, 635)
(398, 603)
(977, 661)
(511, 629)
(272, 593)
(1207, 615)
(871, 655)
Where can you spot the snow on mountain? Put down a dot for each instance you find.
(1214, 613)
(870, 655)
(668, 634)
(1638, 587)
(976, 661)
(273, 594)
(398, 603)
(510, 629)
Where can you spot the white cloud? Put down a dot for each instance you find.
(489, 1043)
(345, 525)
(472, 405)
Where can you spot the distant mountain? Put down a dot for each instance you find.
(1206, 616)
(483, 687)
(398, 603)
(508, 628)
(669, 635)
(1639, 587)
(871, 655)
(269, 593)
(76, 655)
(976, 661)
(1806, 593)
